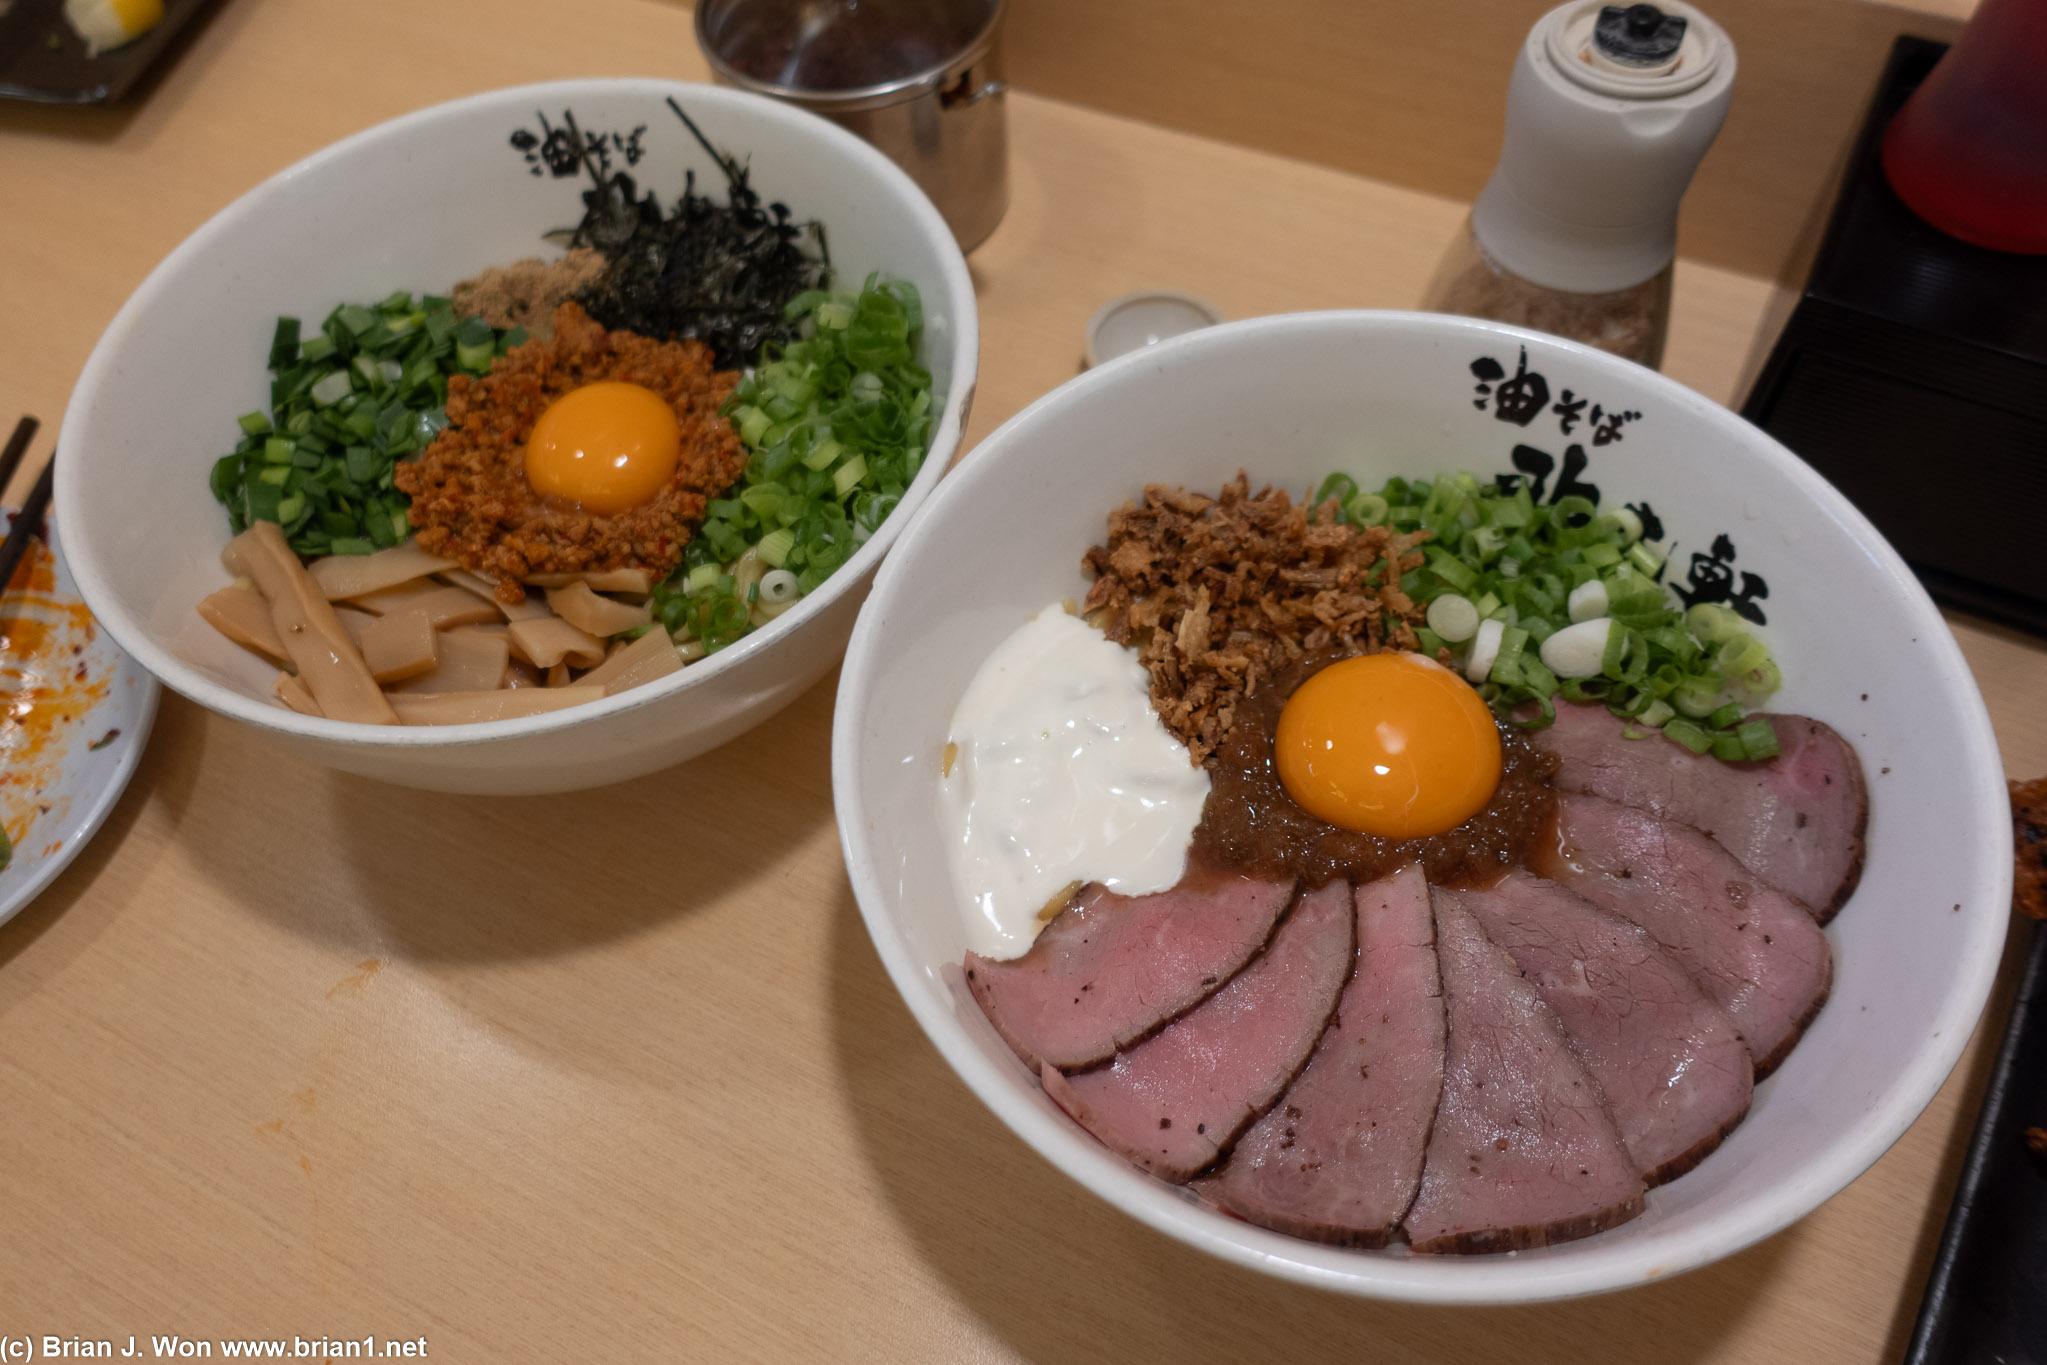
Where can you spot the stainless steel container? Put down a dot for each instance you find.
(920, 79)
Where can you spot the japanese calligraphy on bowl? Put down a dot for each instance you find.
(1525, 399)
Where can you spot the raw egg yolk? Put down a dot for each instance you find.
(1388, 744)
(605, 447)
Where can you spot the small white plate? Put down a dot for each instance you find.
(64, 764)
(1133, 321)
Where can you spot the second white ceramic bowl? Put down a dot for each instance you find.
(420, 203)
(1290, 399)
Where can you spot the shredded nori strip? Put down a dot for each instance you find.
(718, 273)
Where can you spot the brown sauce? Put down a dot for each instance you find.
(1250, 822)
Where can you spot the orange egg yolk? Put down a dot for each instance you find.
(605, 447)
(1388, 744)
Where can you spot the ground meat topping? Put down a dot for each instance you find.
(1222, 594)
(470, 498)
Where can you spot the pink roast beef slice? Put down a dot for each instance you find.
(1669, 1061)
(1110, 969)
(1339, 1158)
(1752, 949)
(1796, 820)
(1176, 1101)
(1523, 1153)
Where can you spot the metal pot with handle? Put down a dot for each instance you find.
(920, 79)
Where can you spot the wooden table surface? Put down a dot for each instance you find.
(618, 1076)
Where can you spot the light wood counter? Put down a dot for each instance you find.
(618, 1076)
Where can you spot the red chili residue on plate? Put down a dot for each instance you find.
(46, 688)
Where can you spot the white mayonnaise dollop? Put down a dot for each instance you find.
(1061, 772)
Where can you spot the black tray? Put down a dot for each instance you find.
(1912, 353)
(43, 59)
(1987, 1297)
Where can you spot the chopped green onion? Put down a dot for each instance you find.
(774, 547)
(1627, 521)
(836, 427)
(1687, 733)
(348, 401)
(1366, 509)
(1450, 569)
(1741, 654)
(356, 318)
(1453, 618)
(1341, 487)
(848, 475)
(1758, 739)
(753, 424)
(1544, 572)
(1615, 650)
(331, 387)
(284, 343)
(1697, 698)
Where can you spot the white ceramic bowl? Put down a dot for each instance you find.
(1290, 399)
(419, 203)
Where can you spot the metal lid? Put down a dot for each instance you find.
(843, 55)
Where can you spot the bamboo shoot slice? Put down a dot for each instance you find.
(341, 576)
(325, 658)
(470, 662)
(634, 582)
(600, 616)
(239, 612)
(471, 708)
(549, 640)
(354, 622)
(519, 673)
(294, 695)
(558, 676)
(642, 661)
(400, 646)
(500, 631)
(446, 607)
(488, 591)
(401, 598)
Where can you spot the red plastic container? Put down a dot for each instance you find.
(1968, 152)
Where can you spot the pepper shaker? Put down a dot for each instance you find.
(1609, 110)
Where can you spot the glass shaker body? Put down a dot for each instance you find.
(1632, 323)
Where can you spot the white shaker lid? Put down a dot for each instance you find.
(1602, 138)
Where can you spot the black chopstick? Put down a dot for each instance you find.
(17, 446)
(25, 523)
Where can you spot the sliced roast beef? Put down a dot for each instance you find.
(1109, 969)
(1671, 1064)
(1177, 1100)
(1339, 1158)
(1796, 820)
(1523, 1153)
(1752, 949)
